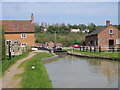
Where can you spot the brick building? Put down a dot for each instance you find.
(19, 32)
(106, 36)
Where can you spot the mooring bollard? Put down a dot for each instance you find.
(113, 49)
(86, 48)
(83, 48)
(80, 48)
(90, 49)
(73, 49)
(94, 49)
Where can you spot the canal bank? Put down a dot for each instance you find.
(35, 74)
(68, 71)
(49, 58)
(92, 56)
(99, 55)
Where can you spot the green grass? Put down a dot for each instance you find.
(37, 78)
(7, 63)
(105, 54)
(66, 39)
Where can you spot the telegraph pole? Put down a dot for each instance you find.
(55, 37)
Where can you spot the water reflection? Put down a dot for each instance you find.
(76, 72)
(106, 67)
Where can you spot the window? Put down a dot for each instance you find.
(15, 26)
(23, 44)
(16, 42)
(118, 41)
(25, 26)
(95, 42)
(111, 31)
(23, 35)
(8, 42)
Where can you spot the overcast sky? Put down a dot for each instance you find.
(62, 12)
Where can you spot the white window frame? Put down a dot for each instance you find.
(110, 30)
(8, 40)
(23, 35)
(24, 43)
(118, 41)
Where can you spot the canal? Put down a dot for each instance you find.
(76, 72)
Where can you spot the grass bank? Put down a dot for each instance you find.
(7, 63)
(104, 54)
(37, 78)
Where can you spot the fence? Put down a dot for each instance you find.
(99, 49)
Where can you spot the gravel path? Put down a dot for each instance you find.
(8, 80)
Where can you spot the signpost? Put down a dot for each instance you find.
(9, 49)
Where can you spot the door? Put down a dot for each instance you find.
(111, 43)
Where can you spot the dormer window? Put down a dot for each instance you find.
(111, 31)
(15, 26)
(25, 26)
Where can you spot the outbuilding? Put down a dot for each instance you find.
(106, 36)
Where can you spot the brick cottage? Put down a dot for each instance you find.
(19, 32)
(106, 36)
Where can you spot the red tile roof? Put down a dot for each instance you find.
(8, 26)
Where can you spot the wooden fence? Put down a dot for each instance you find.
(99, 49)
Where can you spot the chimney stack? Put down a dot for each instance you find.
(32, 18)
(107, 22)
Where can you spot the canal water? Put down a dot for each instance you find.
(76, 72)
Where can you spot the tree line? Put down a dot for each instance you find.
(62, 28)
(63, 34)
(65, 29)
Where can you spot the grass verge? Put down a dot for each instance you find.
(7, 63)
(37, 78)
(104, 54)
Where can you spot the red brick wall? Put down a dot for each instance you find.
(29, 40)
(104, 36)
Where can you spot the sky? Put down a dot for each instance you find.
(62, 12)
(59, 0)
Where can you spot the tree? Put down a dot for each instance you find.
(51, 29)
(37, 27)
(82, 26)
(75, 26)
(2, 43)
(91, 27)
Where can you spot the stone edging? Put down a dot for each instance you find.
(49, 58)
(98, 57)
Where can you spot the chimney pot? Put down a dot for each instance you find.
(107, 22)
(32, 18)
